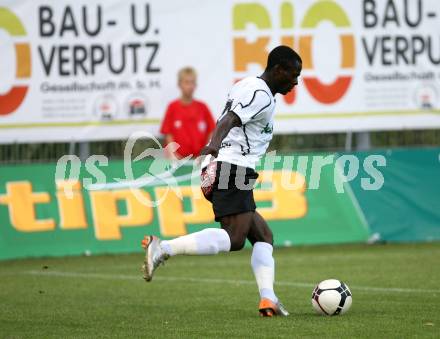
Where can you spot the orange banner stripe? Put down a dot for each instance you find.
(348, 52)
(23, 53)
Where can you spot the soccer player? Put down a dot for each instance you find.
(188, 121)
(240, 139)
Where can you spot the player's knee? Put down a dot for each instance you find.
(237, 243)
(268, 237)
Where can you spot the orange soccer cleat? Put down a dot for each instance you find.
(268, 308)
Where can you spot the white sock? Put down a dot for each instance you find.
(263, 266)
(207, 241)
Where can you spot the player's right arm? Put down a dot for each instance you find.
(224, 125)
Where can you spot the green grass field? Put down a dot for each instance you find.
(396, 294)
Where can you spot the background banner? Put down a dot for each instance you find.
(406, 208)
(39, 218)
(89, 70)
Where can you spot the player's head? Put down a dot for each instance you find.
(284, 65)
(187, 81)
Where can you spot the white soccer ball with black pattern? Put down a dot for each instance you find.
(331, 297)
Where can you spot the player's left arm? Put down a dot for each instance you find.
(224, 125)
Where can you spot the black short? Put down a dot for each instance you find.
(233, 190)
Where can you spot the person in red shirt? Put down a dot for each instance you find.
(188, 122)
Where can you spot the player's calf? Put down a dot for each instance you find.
(237, 226)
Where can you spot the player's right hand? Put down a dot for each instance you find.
(209, 150)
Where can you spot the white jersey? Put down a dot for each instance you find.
(253, 102)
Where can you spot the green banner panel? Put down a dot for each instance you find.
(89, 210)
(407, 207)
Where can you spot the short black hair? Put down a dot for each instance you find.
(283, 56)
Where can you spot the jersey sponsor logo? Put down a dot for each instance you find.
(268, 129)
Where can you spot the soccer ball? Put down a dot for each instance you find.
(331, 297)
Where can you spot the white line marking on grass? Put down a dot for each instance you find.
(218, 281)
